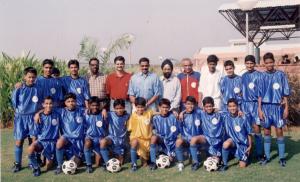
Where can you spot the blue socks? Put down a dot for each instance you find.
(18, 154)
(105, 154)
(179, 154)
(33, 160)
(225, 154)
(193, 150)
(153, 153)
(258, 144)
(59, 157)
(133, 155)
(88, 156)
(267, 146)
(281, 147)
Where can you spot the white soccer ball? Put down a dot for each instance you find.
(163, 161)
(69, 167)
(113, 165)
(211, 164)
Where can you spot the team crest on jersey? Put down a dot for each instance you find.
(173, 129)
(237, 128)
(79, 119)
(193, 84)
(99, 124)
(215, 121)
(251, 85)
(53, 90)
(35, 99)
(154, 131)
(236, 90)
(276, 86)
(147, 121)
(78, 90)
(197, 122)
(54, 122)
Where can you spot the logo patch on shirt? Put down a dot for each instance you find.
(147, 121)
(173, 129)
(237, 128)
(54, 122)
(78, 90)
(236, 90)
(53, 90)
(276, 86)
(251, 85)
(79, 119)
(197, 122)
(193, 84)
(35, 99)
(154, 132)
(99, 124)
(215, 121)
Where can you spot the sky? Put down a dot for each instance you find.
(162, 28)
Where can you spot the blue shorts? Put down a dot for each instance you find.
(48, 148)
(24, 126)
(240, 152)
(273, 115)
(251, 109)
(167, 146)
(118, 145)
(74, 147)
(95, 143)
(214, 146)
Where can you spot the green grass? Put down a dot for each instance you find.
(271, 172)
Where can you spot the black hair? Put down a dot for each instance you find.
(212, 58)
(232, 100)
(94, 59)
(167, 62)
(140, 101)
(69, 96)
(48, 98)
(164, 101)
(119, 102)
(55, 71)
(208, 100)
(229, 63)
(144, 59)
(250, 58)
(30, 70)
(73, 61)
(269, 55)
(48, 61)
(94, 99)
(191, 99)
(119, 58)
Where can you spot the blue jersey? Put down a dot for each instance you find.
(191, 125)
(79, 87)
(251, 82)
(231, 87)
(48, 128)
(166, 127)
(51, 87)
(274, 86)
(95, 126)
(26, 99)
(73, 123)
(117, 125)
(237, 128)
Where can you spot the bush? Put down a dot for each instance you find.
(294, 100)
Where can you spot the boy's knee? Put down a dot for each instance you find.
(154, 139)
(226, 144)
(19, 143)
(60, 143)
(179, 142)
(87, 143)
(134, 143)
(103, 143)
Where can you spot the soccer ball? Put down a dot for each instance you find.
(211, 164)
(69, 167)
(163, 161)
(113, 165)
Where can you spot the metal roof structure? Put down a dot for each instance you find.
(269, 20)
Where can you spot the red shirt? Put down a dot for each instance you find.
(189, 85)
(117, 86)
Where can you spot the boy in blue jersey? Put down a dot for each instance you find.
(47, 133)
(191, 131)
(251, 81)
(166, 129)
(76, 85)
(117, 121)
(72, 127)
(273, 106)
(237, 135)
(230, 85)
(25, 101)
(95, 132)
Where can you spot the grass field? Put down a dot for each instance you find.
(272, 172)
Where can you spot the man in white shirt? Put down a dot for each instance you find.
(209, 84)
